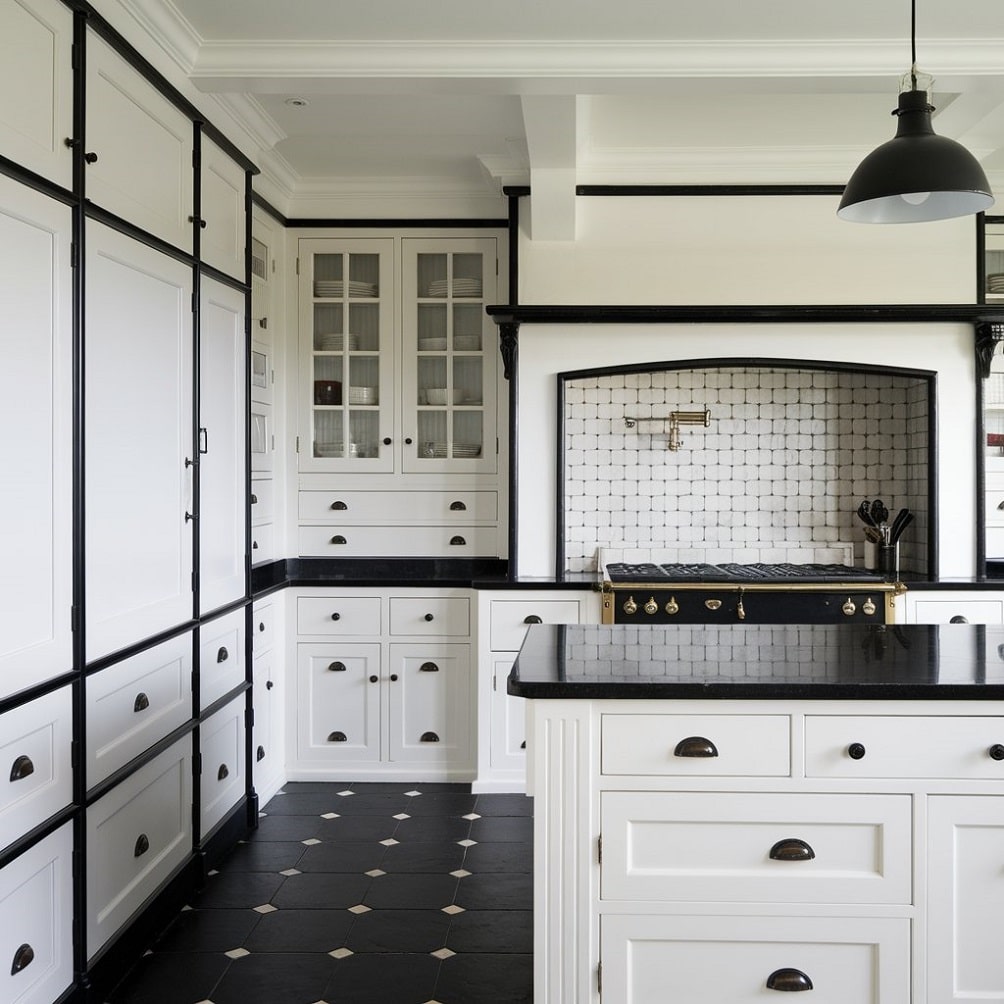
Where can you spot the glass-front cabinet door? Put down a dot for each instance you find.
(346, 355)
(448, 367)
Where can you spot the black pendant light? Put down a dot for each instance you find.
(916, 176)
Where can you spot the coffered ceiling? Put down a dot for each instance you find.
(372, 98)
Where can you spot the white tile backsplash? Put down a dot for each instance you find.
(777, 476)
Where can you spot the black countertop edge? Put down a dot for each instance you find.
(758, 691)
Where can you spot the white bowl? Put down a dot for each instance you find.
(440, 395)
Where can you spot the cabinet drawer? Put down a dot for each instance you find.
(342, 615)
(35, 768)
(262, 500)
(994, 502)
(509, 619)
(221, 657)
(134, 703)
(430, 615)
(222, 748)
(348, 508)
(767, 848)
(36, 921)
(650, 960)
(137, 835)
(352, 541)
(727, 745)
(903, 747)
(263, 626)
(943, 610)
(262, 543)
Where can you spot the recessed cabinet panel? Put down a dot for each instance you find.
(342, 615)
(262, 500)
(221, 657)
(430, 615)
(222, 748)
(36, 776)
(36, 87)
(36, 922)
(262, 545)
(35, 410)
(266, 758)
(142, 149)
(508, 721)
(137, 835)
(135, 703)
(511, 618)
(401, 541)
(222, 237)
(139, 434)
(222, 465)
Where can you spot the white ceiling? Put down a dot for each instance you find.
(462, 96)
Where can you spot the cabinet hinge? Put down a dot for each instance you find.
(195, 302)
(249, 718)
(75, 56)
(74, 754)
(297, 444)
(599, 849)
(197, 764)
(495, 683)
(273, 266)
(297, 266)
(196, 160)
(77, 863)
(73, 255)
(74, 619)
(195, 582)
(599, 977)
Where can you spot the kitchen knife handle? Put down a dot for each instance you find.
(695, 746)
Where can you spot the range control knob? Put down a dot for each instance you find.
(868, 607)
(672, 607)
(651, 607)
(630, 607)
(849, 608)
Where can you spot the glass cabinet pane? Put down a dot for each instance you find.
(993, 271)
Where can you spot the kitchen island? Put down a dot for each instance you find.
(725, 812)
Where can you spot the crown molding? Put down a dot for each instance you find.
(169, 28)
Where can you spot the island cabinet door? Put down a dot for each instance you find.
(966, 848)
(741, 960)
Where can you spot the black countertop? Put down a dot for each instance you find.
(761, 662)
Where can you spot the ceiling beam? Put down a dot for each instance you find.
(552, 139)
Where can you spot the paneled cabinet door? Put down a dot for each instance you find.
(138, 434)
(966, 835)
(36, 87)
(448, 360)
(222, 446)
(222, 208)
(428, 703)
(267, 756)
(508, 725)
(35, 412)
(139, 149)
(346, 308)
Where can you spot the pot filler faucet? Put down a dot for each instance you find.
(672, 423)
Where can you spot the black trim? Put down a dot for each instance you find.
(223, 278)
(36, 181)
(513, 378)
(399, 224)
(37, 833)
(706, 190)
(982, 569)
(262, 203)
(228, 698)
(140, 646)
(36, 691)
(559, 478)
(99, 215)
(516, 191)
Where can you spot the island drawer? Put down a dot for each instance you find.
(763, 847)
(222, 747)
(696, 745)
(916, 746)
(698, 958)
(340, 615)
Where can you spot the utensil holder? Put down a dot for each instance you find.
(871, 555)
(888, 560)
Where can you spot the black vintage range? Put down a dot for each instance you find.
(757, 593)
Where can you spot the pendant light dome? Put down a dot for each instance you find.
(917, 176)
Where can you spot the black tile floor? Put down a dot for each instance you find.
(358, 894)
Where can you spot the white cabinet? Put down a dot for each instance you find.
(222, 756)
(503, 619)
(222, 443)
(382, 685)
(139, 149)
(268, 763)
(222, 226)
(36, 922)
(36, 87)
(138, 437)
(35, 409)
(966, 835)
(948, 607)
(221, 657)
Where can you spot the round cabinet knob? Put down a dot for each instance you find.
(374, 679)
(856, 751)
(91, 158)
(996, 752)
(387, 441)
(651, 607)
(393, 677)
(336, 616)
(630, 607)
(429, 617)
(269, 684)
(695, 746)
(408, 441)
(788, 979)
(672, 607)
(849, 608)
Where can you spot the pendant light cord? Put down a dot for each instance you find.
(913, 45)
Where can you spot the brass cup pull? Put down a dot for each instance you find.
(260, 754)
(532, 619)
(142, 845)
(222, 655)
(713, 604)
(457, 541)
(141, 703)
(788, 979)
(337, 737)
(428, 667)
(23, 957)
(429, 737)
(336, 667)
(695, 746)
(21, 768)
(223, 772)
(996, 752)
(791, 849)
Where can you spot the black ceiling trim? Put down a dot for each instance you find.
(396, 224)
(733, 190)
(262, 203)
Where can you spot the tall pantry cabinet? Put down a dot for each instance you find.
(124, 648)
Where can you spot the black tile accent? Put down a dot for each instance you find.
(399, 931)
(169, 978)
(358, 828)
(495, 931)
(371, 803)
(497, 829)
(496, 892)
(207, 931)
(430, 856)
(288, 828)
(409, 892)
(485, 979)
(273, 978)
(385, 979)
(264, 856)
(230, 890)
(300, 931)
(321, 891)
(432, 828)
(345, 857)
(441, 804)
(307, 803)
(509, 856)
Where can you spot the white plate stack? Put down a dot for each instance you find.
(461, 287)
(467, 343)
(338, 343)
(362, 395)
(995, 283)
(439, 451)
(431, 344)
(337, 288)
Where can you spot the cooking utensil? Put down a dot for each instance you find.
(903, 524)
(865, 514)
(879, 513)
(897, 523)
